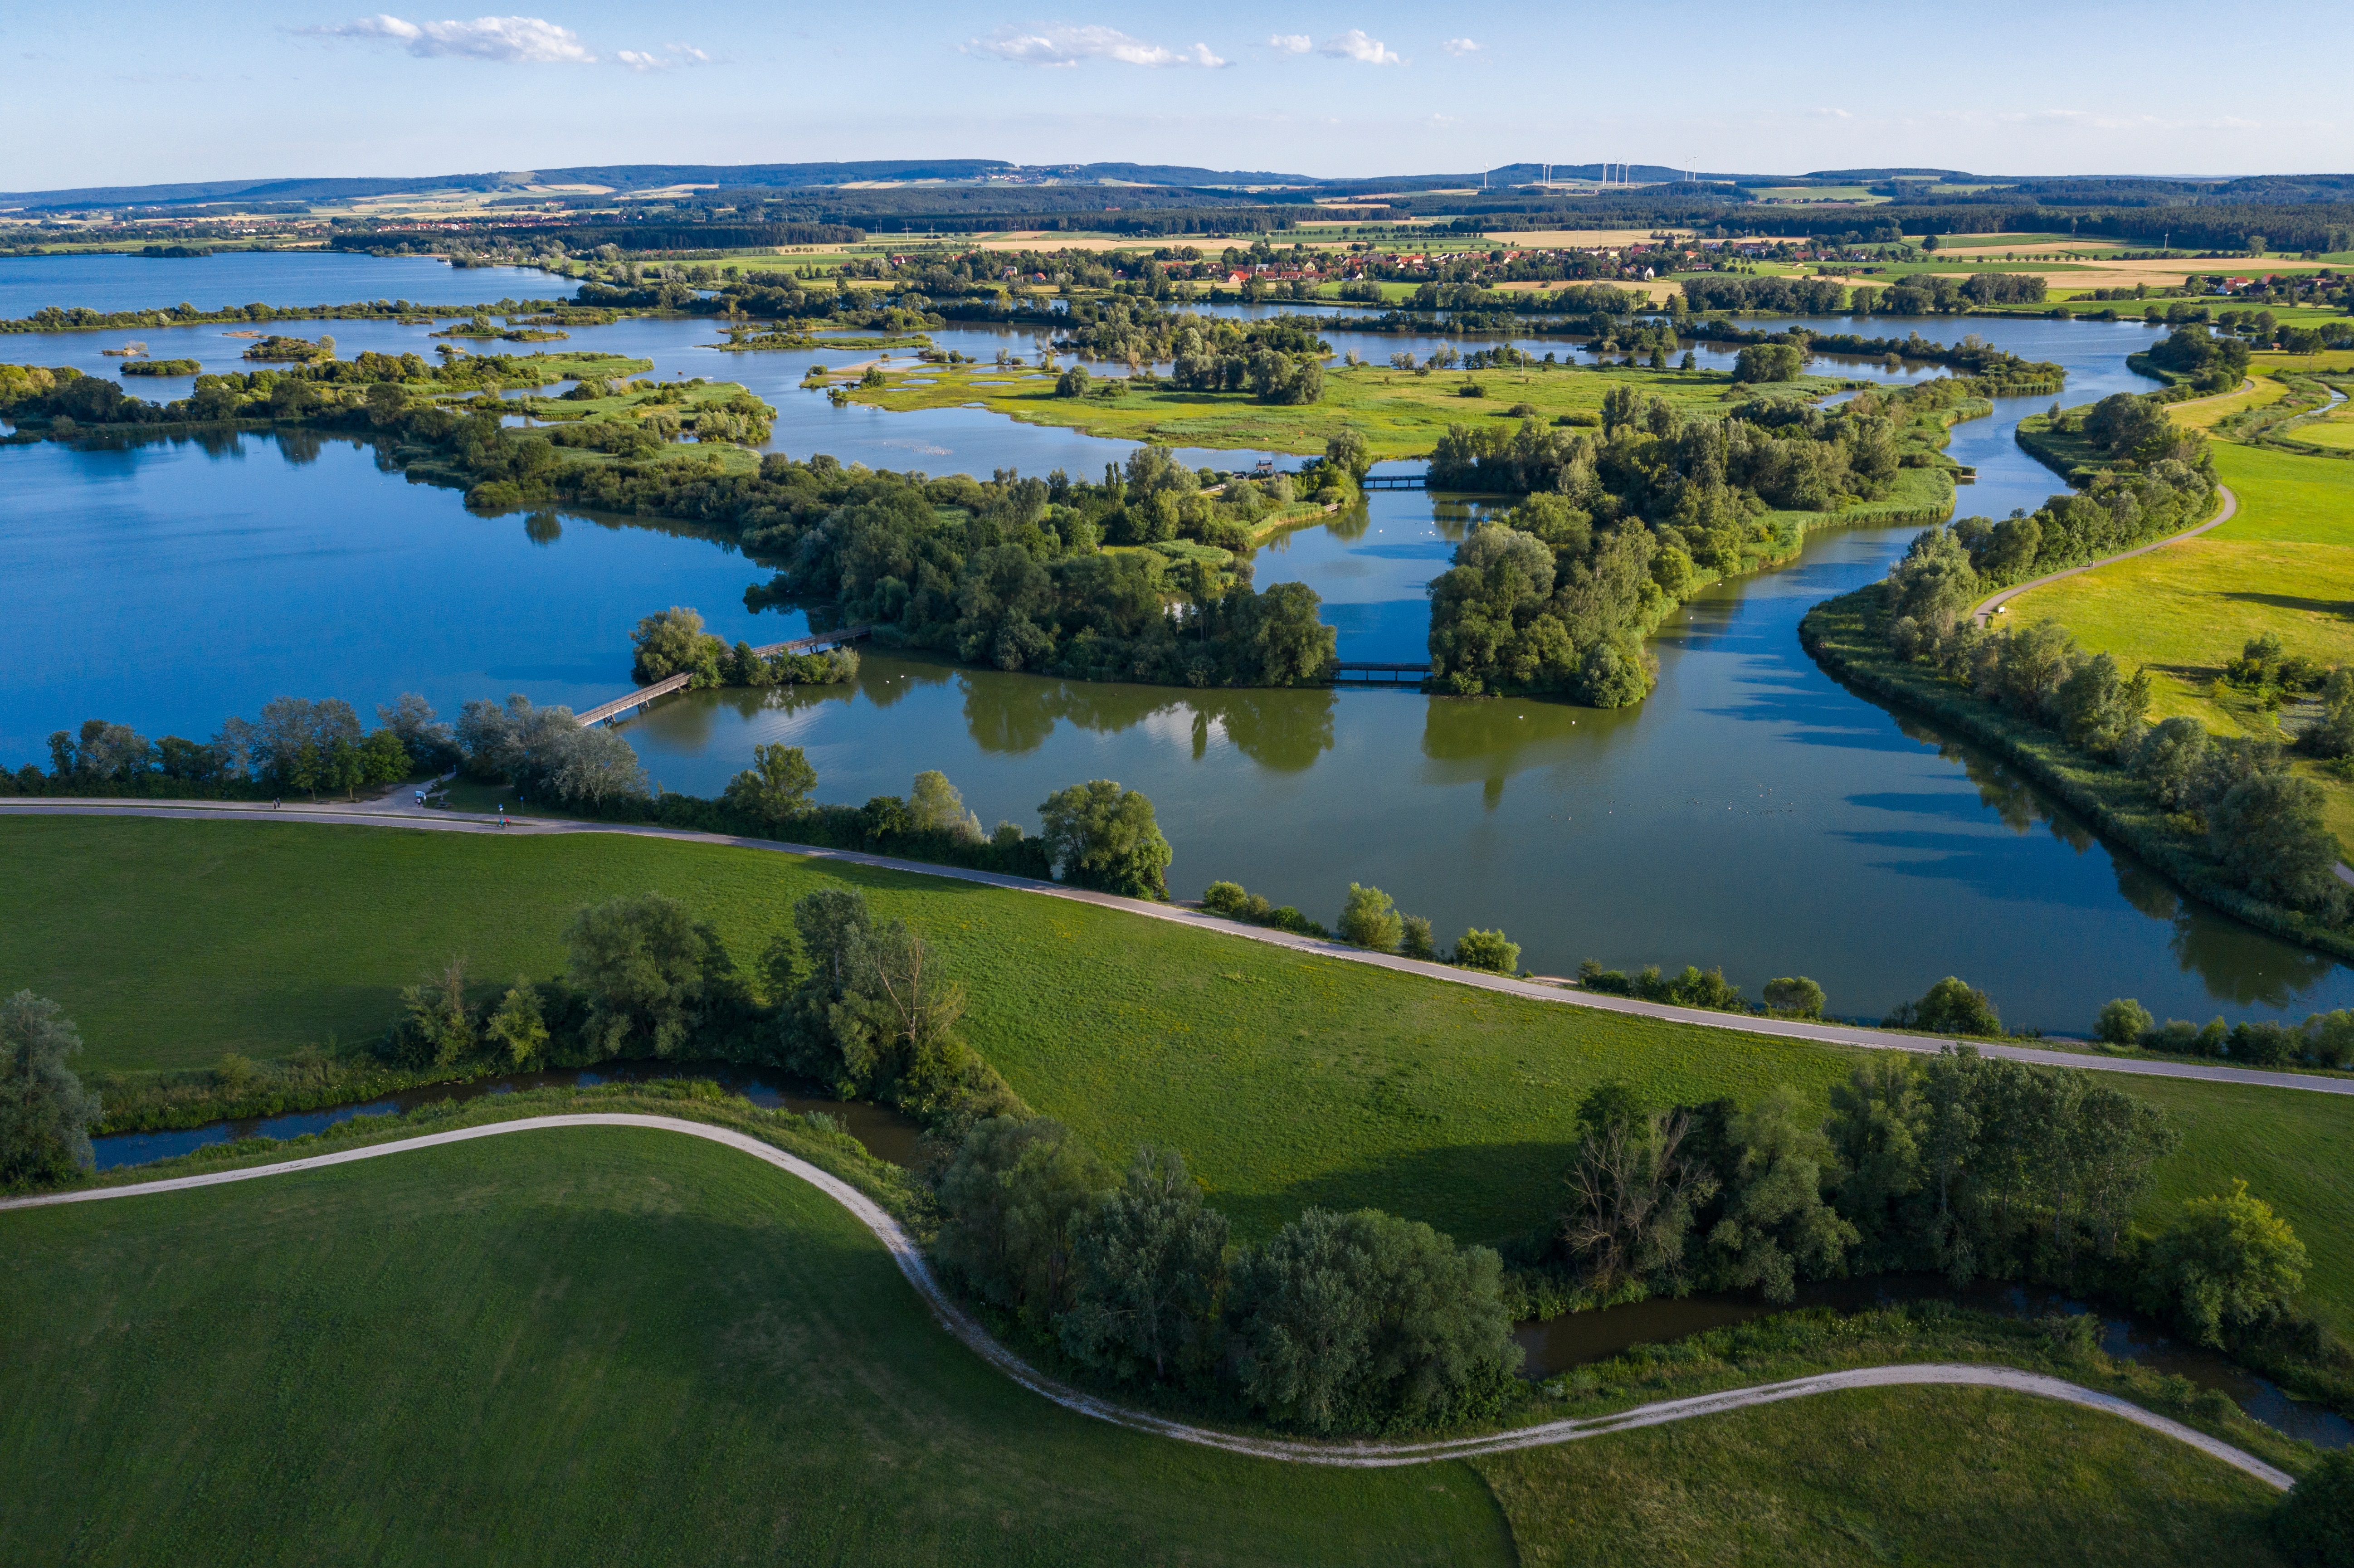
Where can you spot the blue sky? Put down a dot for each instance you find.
(140, 92)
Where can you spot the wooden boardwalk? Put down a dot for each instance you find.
(669, 683)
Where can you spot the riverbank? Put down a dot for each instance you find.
(1292, 1076)
(1843, 635)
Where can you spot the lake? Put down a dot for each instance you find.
(1753, 814)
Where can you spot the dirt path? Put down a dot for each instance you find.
(1987, 608)
(1363, 1456)
(389, 815)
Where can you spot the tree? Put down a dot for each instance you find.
(1365, 1320)
(1351, 453)
(1414, 939)
(597, 765)
(1489, 950)
(1149, 1274)
(520, 1024)
(1766, 362)
(1794, 996)
(2226, 1263)
(775, 788)
(436, 1027)
(934, 806)
(1949, 1007)
(45, 1113)
(1775, 1224)
(1099, 835)
(671, 641)
(2169, 759)
(2123, 1021)
(2123, 425)
(1877, 1124)
(1014, 1198)
(2271, 834)
(651, 974)
(2314, 1525)
(1370, 920)
(1633, 1190)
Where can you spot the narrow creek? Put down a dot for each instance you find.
(881, 1131)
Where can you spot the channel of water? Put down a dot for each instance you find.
(1753, 814)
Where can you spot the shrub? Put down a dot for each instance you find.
(1794, 996)
(2123, 1022)
(2225, 1263)
(1414, 939)
(2314, 1526)
(1949, 1007)
(1370, 920)
(1478, 949)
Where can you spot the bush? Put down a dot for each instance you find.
(1794, 996)
(1100, 836)
(1365, 1320)
(2314, 1525)
(1949, 1007)
(1414, 939)
(1371, 921)
(2123, 1022)
(45, 1113)
(1489, 950)
(2226, 1263)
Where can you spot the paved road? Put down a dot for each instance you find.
(391, 813)
(1360, 1455)
(1987, 606)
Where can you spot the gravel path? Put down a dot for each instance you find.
(1363, 1456)
(1987, 606)
(392, 814)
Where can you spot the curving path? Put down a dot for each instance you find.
(1986, 608)
(391, 812)
(1363, 1456)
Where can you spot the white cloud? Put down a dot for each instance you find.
(527, 40)
(1062, 46)
(1291, 43)
(672, 55)
(1353, 45)
(1460, 47)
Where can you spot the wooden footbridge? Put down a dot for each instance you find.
(644, 695)
(1395, 481)
(1382, 675)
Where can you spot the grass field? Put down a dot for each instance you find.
(573, 1347)
(1902, 1475)
(1400, 414)
(600, 1346)
(2282, 564)
(1286, 1079)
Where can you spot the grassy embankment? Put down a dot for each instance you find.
(1401, 414)
(615, 1345)
(2283, 564)
(1287, 1080)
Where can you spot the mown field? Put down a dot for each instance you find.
(584, 1347)
(1911, 1475)
(1286, 1079)
(590, 1346)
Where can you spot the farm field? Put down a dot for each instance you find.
(1287, 1080)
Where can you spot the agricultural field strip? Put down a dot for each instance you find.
(1363, 1456)
(379, 815)
(1988, 605)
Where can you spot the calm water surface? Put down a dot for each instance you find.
(1752, 814)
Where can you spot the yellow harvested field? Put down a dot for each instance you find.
(1554, 238)
(2205, 413)
(2043, 247)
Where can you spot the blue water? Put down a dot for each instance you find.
(1753, 814)
(277, 277)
